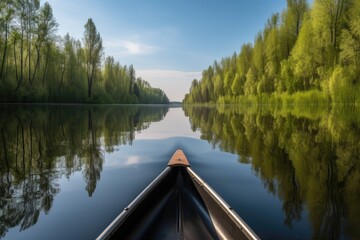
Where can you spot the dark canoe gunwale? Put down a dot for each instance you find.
(227, 224)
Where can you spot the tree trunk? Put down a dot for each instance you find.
(62, 77)
(21, 60)
(28, 36)
(5, 50)
(45, 70)
(36, 65)
(90, 80)
(15, 60)
(89, 86)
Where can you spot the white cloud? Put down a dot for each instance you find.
(174, 83)
(125, 48)
(133, 48)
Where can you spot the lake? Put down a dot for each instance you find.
(68, 170)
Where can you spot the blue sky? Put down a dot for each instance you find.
(169, 42)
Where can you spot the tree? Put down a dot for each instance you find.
(272, 49)
(243, 65)
(31, 8)
(236, 85)
(218, 85)
(258, 59)
(350, 39)
(6, 15)
(131, 78)
(292, 20)
(250, 87)
(328, 18)
(20, 6)
(109, 74)
(305, 56)
(46, 27)
(93, 52)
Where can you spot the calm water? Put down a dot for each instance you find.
(68, 171)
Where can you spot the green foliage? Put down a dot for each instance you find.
(250, 84)
(93, 52)
(350, 39)
(235, 86)
(303, 56)
(344, 86)
(38, 66)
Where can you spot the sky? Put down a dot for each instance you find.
(169, 42)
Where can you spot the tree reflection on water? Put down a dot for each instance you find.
(309, 158)
(41, 144)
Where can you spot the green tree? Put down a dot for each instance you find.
(350, 39)
(31, 8)
(236, 87)
(20, 6)
(6, 16)
(46, 27)
(250, 84)
(93, 52)
(243, 65)
(272, 52)
(218, 85)
(292, 20)
(258, 60)
(329, 17)
(305, 56)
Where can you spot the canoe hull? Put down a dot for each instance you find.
(178, 204)
(227, 223)
(173, 210)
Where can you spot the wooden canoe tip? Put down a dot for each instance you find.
(179, 159)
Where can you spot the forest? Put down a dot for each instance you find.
(305, 54)
(37, 65)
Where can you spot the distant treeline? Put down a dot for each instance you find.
(305, 54)
(37, 65)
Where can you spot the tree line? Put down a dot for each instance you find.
(37, 65)
(304, 52)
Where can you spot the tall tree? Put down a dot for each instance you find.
(272, 52)
(20, 6)
(350, 39)
(296, 10)
(306, 56)
(6, 15)
(328, 19)
(93, 52)
(258, 59)
(31, 8)
(131, 78)
(292, 20)
(46, 27)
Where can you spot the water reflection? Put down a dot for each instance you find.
(41, 144)
(309, 158)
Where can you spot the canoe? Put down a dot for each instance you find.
(178, 204)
